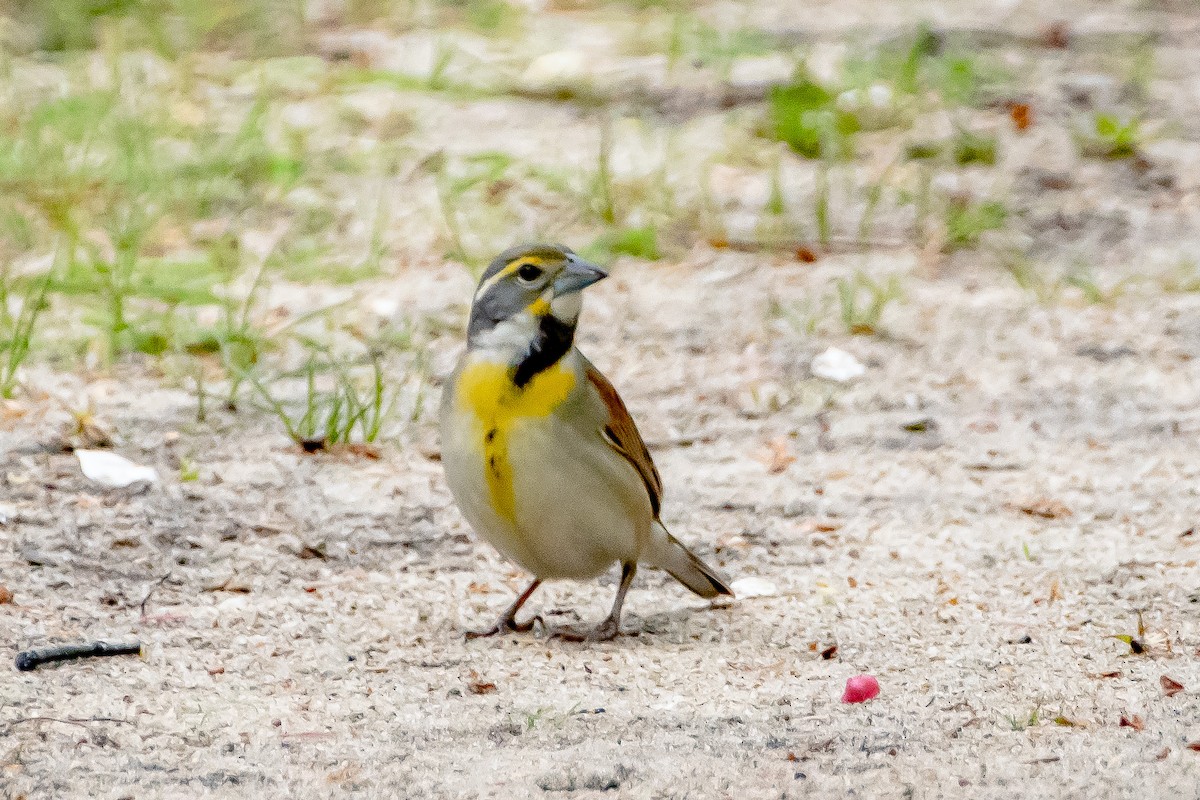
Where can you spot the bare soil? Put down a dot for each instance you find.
(974, 521)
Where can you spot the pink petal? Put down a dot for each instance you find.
(860, 688)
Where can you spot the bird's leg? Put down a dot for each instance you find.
(610, 628)
(508, 620)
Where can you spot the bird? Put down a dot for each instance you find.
(539, 451)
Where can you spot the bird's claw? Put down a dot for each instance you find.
(506, 624)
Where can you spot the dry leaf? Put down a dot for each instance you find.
(86, 432)
(481, 687)
(232, 584)
(1158, 640)
(1057, 35)
(778, 456)
(6, 595)
(1045, 508)
(1193, 746)
(1021, 116)
(362, 450)
(11, 409)
(347, 773)
(309, 552)
(1170, 686)
(1133, 721)
(1055, 591)
(805, 254)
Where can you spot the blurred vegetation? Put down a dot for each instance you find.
(259, 27)
(1109, 136)
(880, 90)
(167, 165)
(16, 329)
(806, 117)
(251, 28)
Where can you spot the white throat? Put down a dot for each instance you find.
(567, 307)
(508, 341)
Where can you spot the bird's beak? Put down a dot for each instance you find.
(577, 275)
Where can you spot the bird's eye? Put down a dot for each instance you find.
(529, 273)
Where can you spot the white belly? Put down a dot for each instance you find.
(579, 506)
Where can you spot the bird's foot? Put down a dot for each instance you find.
(506, 624)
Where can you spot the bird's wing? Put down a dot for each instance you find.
(622, 434)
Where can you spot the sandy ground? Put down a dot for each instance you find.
(303, 615)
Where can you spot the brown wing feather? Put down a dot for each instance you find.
(622, 434)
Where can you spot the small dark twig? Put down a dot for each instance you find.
(20, 720)
(32, 659)
(153, 589)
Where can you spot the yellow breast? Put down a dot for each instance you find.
(486, 390)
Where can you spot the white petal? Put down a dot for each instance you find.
(111, 469)
(880, 95)
(558, 69)
(837, 365)
(753, 587)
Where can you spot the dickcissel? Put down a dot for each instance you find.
(539, 450)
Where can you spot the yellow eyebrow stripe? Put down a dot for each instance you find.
(509, 269)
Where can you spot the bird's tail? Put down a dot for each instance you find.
(669, 554)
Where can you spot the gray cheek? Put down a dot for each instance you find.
(500, 302)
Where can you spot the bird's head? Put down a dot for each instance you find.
(527, 288)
